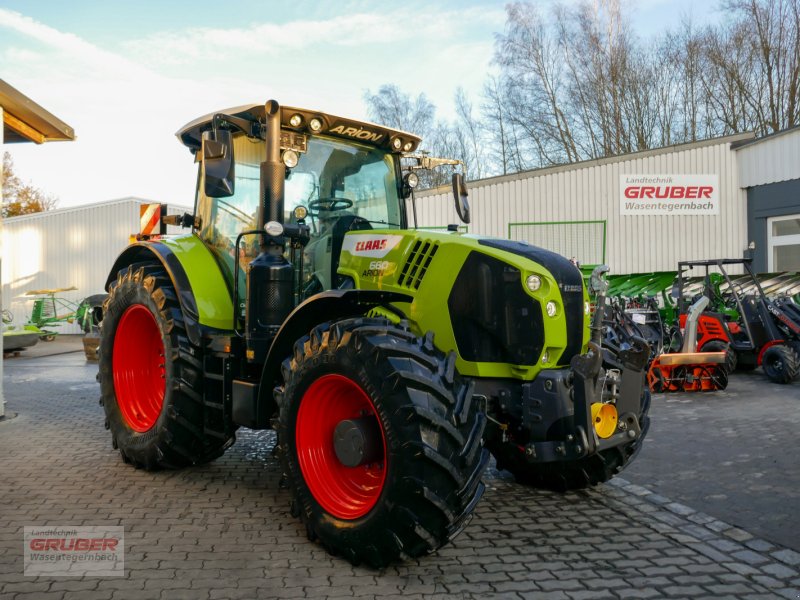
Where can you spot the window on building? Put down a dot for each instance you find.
(783, 243)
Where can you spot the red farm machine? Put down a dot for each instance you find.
(742, 320)
(688, 370)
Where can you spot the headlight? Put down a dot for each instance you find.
(315, 124)
(295, 120)
(408, 147)
(534, 282)
(273, 228)
(290, 158)
(412, 180)
(545, 357)
(397, 143)
(551, 309)
(300, 212)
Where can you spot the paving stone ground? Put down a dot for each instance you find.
(732, 454)
(224, 530)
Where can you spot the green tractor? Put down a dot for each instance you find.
(389, 359)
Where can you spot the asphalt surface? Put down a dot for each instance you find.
(62, 344)
(224, 530)
(733, 454)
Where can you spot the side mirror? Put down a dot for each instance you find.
(218, 169)
(460, 197)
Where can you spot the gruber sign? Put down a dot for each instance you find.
(669, 194)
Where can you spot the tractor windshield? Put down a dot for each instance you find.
(343, 185)
(334, 179)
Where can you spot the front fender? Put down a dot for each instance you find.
(331, 305)
(203, 292)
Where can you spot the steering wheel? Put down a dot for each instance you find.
(315, 207)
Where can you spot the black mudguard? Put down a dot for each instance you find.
(141, 252)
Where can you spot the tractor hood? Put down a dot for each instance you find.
(299, 119)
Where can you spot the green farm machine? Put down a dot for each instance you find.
(391, 360)
(50, 309)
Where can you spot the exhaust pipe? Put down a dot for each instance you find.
(270, 277)
(273, 172)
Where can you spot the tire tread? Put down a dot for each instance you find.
(430, 508)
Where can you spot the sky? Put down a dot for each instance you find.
(127, 75)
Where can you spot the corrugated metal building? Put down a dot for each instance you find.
(769, 170)
(64, 248)
(619, 210)
(23, 121)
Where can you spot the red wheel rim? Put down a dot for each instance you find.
(344, 492)
(138, 365)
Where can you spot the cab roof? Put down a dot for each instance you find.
(350, 129)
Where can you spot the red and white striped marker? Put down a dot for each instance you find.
(150, 219)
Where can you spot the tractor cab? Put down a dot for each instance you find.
(339, 175)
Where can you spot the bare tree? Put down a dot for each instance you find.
(459, 138)
(496, 126)
(577, 83)
(772, 37)
(730, 79)
(683, 107)
(394, 108)
(470, 129)
(579, 87)
(532, 64)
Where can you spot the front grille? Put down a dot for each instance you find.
(417, 264)
(568, 277)
(493, 319)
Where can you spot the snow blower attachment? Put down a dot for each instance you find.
(689, 370)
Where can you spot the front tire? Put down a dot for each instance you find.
(151, 375)
(780, 363)
(423, 479)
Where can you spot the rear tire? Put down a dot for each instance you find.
(419, 491)
(573, 475)
(151, 375)
(780, 363)
(719, 346)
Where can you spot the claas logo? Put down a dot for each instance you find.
(370, 245)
